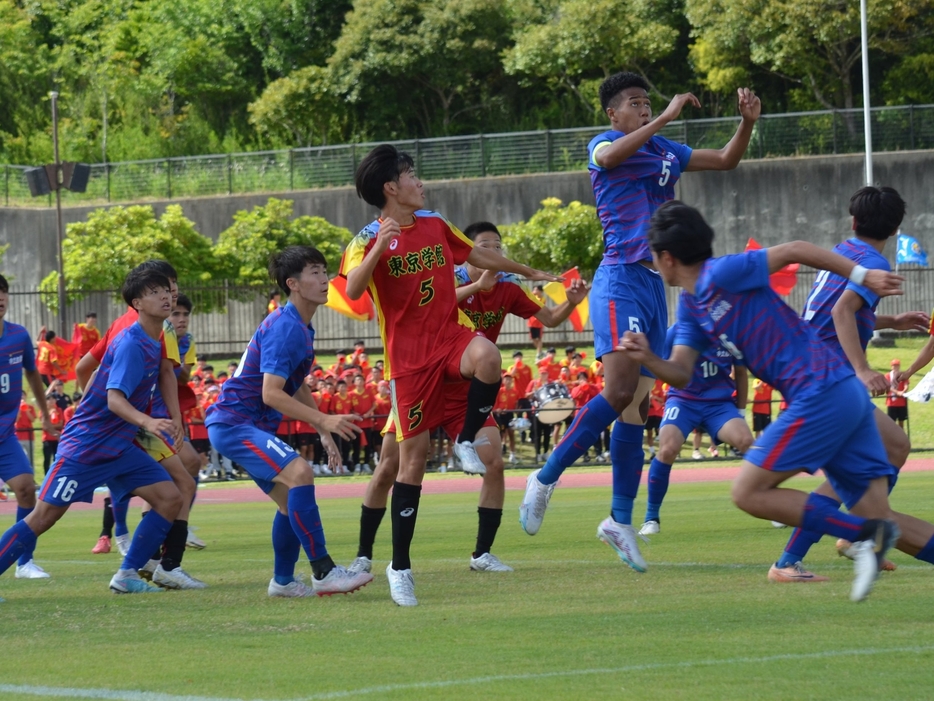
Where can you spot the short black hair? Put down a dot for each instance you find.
(291, 261)
(359, 343)
(90, 315)
(4, 285)
(877, 212)
(552, 350)
(477, 228)
(184, 301)
(49, 336)
(681, 230)
(273, 294)
(201, 356)
(612, 87)
(570, 349)
(342, 382)
(517, 354)
(143, 277)
(538, 287)
(161, 266)
(382, 165)
(209, 368)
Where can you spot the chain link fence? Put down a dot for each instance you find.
(794, 134)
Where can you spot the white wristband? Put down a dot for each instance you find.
(858, 274)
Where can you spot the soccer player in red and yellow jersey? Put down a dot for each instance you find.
(405, 259)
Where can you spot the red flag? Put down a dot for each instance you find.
(361, 309)
(782, 281)
(556, 291)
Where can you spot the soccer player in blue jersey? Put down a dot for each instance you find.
(97, 444)
(728, 302)
(843, 315)
(17, 359)
(712, 401)
(270, 382)
(633, 171)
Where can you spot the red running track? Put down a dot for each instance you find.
(246, 492)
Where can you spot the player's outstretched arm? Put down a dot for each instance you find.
(576, 294)
(730, 155)
(925, 356)
(303, 407)
(906, 321)
(491, 260)
(676, 371)
(844, 322)
(881, 282)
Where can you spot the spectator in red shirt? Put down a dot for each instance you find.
(656, 411)
(541, 432)
(761, 406)
(896, 404)
(363, 399)
(537, 328)
(25, 421)
(50, 438)
(551, 366)
(342, 403)
(504, 411)
(582, 392)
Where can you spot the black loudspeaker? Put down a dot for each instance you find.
(38, 181)
(75, 176)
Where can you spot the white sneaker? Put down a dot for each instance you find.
(129, 582)
(361, 564)
(471, 463)
(606, 454)
(622, 538)
(176, 579)
(534, 503)
(31, 571)
(512, 459)
(357, 469)
(651, 527)
(367, 470)
(869, 556)
(697, 455)
(194, 541)
(488, 562)
(147, 570)
(326, 470)
(443, 469)
(203, 476)
(316, 468)
(779, 524)
(652, 452)
(401, 586)
(123, 543)
(340, 580)
(294, 589)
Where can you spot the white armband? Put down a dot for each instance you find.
(858, 274)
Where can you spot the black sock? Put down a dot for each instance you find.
(370, 519)
(480, 400)
(108, 529)
(404, 510)
(174, 543)
(486, 532)
(322, 567)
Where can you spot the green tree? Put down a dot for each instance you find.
(245, 248)
(302, 109)
(101, 251)
(583, 41)
(558, 237)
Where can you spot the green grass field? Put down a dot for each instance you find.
(571, 623)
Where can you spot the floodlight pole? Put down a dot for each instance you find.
(62, 331)
(867, 119)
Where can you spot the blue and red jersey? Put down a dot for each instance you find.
(734, 307)
(131, 365)
(628, 195)
(283, 345)
(711, 381)
(828, 287)
(16, 355)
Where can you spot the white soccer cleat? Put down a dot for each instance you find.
(293, 590)
(31, 571)
(650, 527)
(869, 556)
(340, 580)
(513, 459)
(129, 582)
(401, 586)
(622, 538)
(123, 543)
(147, 570)
(471, 463)
(488, 562)
(534, 503)
(360, 564)
(176, 579)
(696, 455)
(193, 541)
(778, 524)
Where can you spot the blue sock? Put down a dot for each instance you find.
(19, 538)
(149, 535)
(801, 540)
(659, 474)
(826, 518)
(21, 513)
(627, 458)
(590, 422)
(286, 547)
(120, 509)
(927, 552)
(306, 522)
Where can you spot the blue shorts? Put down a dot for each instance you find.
(13, 459)
(834, 430)
(628, 298)
(262, 455)
(709, 416)
(70, 480)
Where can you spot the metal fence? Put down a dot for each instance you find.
(793, 134)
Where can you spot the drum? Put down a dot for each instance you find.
(520, 423)
(553, 403)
